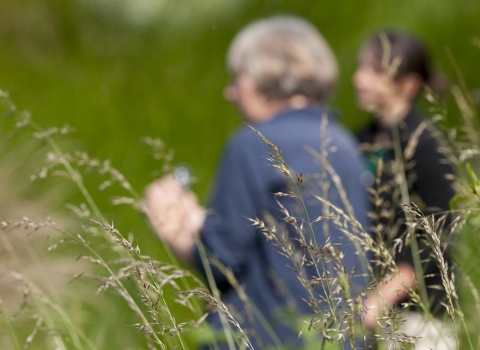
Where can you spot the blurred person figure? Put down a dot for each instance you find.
(394, 68)
(283, 76)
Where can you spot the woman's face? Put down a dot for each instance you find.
(374, 89)
(380, 94)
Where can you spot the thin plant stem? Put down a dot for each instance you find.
(40, 305)
(216, 293)
(423, 302)
(9, 325)
(406, 199)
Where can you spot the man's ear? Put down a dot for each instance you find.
(230, 93)
(411, 85)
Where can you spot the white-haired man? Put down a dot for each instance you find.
(283, 76)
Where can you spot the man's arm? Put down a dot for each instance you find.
(175, 215)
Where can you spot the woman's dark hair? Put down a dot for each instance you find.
(406, 55)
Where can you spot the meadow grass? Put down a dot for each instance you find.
(146, 293)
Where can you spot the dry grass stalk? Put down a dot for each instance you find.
(153, 278)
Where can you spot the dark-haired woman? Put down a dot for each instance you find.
(393, 69)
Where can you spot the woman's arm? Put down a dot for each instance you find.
(434, 184)
(389, 293)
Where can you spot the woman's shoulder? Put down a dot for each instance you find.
(366, 133)
(422, 131)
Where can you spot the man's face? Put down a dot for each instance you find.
(243, 92)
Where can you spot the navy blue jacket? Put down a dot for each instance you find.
(244, 189)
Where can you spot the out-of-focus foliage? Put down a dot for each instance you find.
(118, 70)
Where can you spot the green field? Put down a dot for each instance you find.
(120, 70)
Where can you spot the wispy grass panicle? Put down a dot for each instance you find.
(154, 290)
(334, 306)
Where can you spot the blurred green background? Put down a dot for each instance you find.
(120, 70)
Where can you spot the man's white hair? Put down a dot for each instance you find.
(285, 56)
